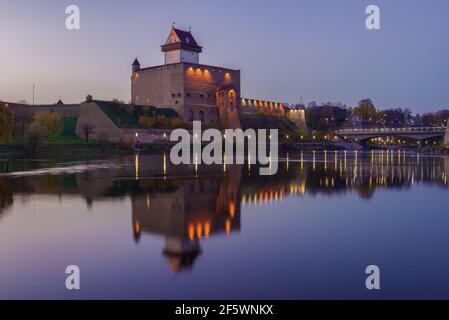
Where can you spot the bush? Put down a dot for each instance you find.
(51, 121)
(6, 123)
(125, 143)
(35, 136)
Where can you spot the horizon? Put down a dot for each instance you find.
(397, 66)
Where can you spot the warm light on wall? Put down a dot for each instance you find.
(191, 232)
(199, 230)
(207, 229)
(232, 209)
(228, 226)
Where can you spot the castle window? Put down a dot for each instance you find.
(179, 95)
(201, 114)
(173, 95)
(188, 94)
(176, 102)
(191, 116)
(201, 95)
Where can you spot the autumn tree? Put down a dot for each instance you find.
(175, 122)
(147, 121)
(6, 123)
(366, 110)
(51, 121)
(23, 118)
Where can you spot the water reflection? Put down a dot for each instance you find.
(187, 205)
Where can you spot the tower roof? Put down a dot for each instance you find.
(180, 39)
(186, 37)
(136, 62)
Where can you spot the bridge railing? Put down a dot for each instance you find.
(391, 130)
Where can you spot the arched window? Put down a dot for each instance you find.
(201, 114)
(191, 116)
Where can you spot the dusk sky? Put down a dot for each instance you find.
(316, 49)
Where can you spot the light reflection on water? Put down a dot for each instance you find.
(139, 227)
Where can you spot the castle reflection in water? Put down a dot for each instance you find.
(188, 204)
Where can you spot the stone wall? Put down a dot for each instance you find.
(187, 88)
(64, 111)
(91, 114)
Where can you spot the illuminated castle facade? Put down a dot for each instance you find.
(197, 92)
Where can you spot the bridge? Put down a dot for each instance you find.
(416, 133)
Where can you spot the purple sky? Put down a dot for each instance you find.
(316, 49)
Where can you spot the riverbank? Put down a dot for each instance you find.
(74, 151)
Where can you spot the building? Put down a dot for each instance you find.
(297, 114)
(200, 92)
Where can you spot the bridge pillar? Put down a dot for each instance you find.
(446, 136)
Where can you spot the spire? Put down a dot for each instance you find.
(136, 65)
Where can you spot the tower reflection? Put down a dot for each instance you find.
(186, 212)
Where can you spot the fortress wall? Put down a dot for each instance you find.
(159, 86)
(63, 111)
(92, 114)
(200, 85)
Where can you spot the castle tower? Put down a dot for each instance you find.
(228, 103)
(181, 47)
(136, 65)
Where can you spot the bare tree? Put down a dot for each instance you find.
(35, 136)
(88, 129)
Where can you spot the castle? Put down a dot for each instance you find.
(197, 92)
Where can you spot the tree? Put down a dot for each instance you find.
(51, 121)
(88, 129)
(311, 104)
(6, 123)
(23, 118)
(35, 135)
(147, 121)
(366, 110)
(325, 118)
(175, 122)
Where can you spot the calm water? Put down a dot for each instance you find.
(140, 228)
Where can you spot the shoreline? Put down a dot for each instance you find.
(78, 150)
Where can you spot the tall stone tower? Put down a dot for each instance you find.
(181, 47)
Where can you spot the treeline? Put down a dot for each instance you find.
(330, 117)
(26, 127)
